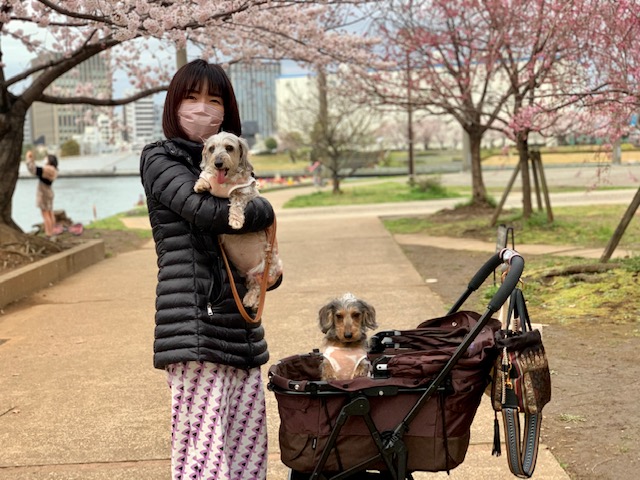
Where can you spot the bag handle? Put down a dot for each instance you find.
(271, 238)
(518, 309)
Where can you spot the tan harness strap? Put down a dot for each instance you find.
(271, 238)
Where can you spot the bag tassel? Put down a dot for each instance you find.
(496, 436)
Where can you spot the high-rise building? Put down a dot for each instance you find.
(27, 138)
(255, 88)
(59, 123)
(140, 120)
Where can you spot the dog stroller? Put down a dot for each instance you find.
(413, 414)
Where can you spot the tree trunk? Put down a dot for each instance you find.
(336, 184)
(479, 192)
(523, 154)
(11, 136)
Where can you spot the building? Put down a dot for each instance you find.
(255, 88)
(140, 121)
(27, 138)
(59, 123)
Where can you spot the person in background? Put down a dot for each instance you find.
(211, 355)
(44, 193)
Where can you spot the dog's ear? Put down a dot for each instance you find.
(243, 145)
(205, 155)
(325, 317)
(368, 315)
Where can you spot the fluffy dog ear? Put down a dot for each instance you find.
(368, 315)
(325, 317)
(243, 145)
(205, 155)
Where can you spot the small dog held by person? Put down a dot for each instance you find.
(227, 173)
(344, 322)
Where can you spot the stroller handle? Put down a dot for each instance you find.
(516, 267)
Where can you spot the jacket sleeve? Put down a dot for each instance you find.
(170, 182)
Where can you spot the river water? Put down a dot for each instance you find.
(87, 188)
(79, 197)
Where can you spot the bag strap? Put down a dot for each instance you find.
(271, 239)
(523, 313)
(522, 453)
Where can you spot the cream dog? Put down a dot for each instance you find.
(227, 173)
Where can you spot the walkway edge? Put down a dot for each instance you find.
(24, 281)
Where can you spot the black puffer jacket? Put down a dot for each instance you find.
(196, 316)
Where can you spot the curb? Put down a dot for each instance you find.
(24, 281)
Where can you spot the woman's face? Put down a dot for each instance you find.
(203, 97)
(200, 115)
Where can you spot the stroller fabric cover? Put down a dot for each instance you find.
(438, 436)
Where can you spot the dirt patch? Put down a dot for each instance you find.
(591, 424)
(18, 250)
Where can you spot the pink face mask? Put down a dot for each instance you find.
(199, 120)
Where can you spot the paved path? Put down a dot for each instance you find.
(79, 398)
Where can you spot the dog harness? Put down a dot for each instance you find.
(344, 360)
(224, 190)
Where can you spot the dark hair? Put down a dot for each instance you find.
(189, 79)
(52, 160)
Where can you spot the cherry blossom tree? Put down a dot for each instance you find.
(440, 56)
(550, 66)
(224, 31)
(512, 65)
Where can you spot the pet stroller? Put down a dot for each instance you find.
(413, 414)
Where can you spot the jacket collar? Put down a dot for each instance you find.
(187, 149)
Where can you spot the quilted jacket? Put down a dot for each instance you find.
(196, 316)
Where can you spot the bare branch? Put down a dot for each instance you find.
(108, 102)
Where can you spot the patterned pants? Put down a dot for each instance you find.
(219, 423)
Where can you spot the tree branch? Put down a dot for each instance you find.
(107, 102)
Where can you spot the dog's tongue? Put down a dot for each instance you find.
(221, 176)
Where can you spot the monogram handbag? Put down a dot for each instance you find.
(521, 384)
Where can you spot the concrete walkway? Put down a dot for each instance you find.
(79, 398)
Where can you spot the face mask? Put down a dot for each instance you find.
(199, 120)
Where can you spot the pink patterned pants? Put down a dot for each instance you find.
(219, 428)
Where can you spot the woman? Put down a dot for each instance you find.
(44, 193)
(211, 355)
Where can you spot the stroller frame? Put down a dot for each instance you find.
(392, 450)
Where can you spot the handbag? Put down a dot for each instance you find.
(521, 384)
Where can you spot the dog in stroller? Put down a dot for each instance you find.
(414, 414)
(344, 322)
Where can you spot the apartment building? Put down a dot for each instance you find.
(59, 123)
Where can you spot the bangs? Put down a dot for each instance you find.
(214, 88)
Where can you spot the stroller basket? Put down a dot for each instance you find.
(415, 414)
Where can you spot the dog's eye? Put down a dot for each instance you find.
(356, 315)
(212, 149)
(339, 316)
(229, 148)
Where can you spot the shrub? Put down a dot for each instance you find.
(69, 148)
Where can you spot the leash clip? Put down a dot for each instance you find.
(507, 381)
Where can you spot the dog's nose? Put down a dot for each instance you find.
(218, 164)
(348, 334)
